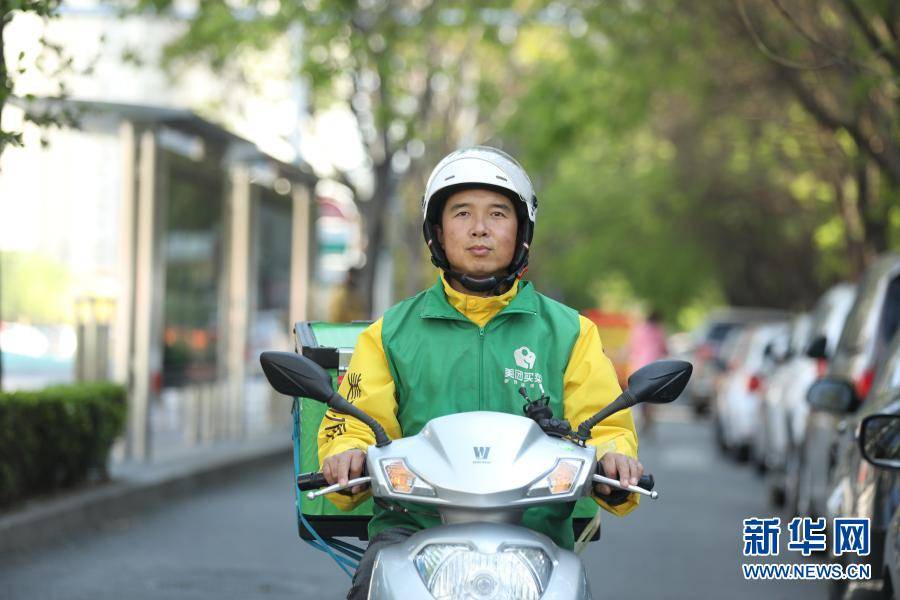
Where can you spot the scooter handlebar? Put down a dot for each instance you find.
(314, 480)
(311, 481)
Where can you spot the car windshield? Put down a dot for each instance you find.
(889, 374)
(801, 331)
(762, 337)
(830, 314)
(890, 315)
(857, 331)
(718, 331)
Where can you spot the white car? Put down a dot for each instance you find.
(739, 397)
(773, 438)
(786, 404)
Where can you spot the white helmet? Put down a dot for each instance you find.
(480, 167)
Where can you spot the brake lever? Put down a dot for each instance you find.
(336, 487)
(630, 488)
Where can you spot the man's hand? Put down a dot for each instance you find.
(343, 467)
(619, 466)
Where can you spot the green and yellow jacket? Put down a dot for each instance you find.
(443, 352)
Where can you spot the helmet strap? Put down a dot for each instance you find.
(494, 285)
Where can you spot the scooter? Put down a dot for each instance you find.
(480, 471)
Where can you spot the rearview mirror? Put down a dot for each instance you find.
(833, 395)
(817, 347)
(879, 440)
(660, 382)
(295, 375)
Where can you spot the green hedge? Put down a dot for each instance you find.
(57, 437)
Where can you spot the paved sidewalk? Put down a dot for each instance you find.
(136, 487)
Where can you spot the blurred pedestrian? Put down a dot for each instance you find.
(346, 304)
(646, 344)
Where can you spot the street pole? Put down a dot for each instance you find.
(1, 318)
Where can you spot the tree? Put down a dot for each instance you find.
(408, 72)
(51, 60)
(841, 61)
(674, 160)
(9, 72)
(678, 161)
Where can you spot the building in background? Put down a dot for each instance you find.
(183, 252)
(151, 245)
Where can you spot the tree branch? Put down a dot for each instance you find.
(870, 35)
(882, 152)
(769, 53)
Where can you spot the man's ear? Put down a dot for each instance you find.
(440, 234)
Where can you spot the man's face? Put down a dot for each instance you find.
(478, 232)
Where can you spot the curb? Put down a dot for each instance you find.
(132, 491)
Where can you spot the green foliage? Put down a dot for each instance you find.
(680, 150)
(8, 72)
(57, 437)
(669, 156)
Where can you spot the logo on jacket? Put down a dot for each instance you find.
(524, 358)
(354, 392)
(481, 452)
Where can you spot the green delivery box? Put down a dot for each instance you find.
(331, 346)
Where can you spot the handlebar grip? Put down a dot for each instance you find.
(646, 482)
(315, 480)
(311, 481)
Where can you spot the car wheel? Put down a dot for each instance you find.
(791, 481)
(777, 496)
(887, 587)
(837, 589)
(720, 435)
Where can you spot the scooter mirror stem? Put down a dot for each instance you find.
(658, 382)
(625, 400)
(339, 404)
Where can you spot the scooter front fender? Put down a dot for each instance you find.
(395, 576)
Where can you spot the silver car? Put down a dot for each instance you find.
(739, 397)
(786, 405)
(872, 322)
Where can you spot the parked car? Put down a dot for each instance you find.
(777, 353)
(785, 400)
(707, 345)
(879, 443)
(740, 391)
(872, 322)
(772, 435)
(858, 490)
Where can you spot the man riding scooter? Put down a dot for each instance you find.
(470, 343)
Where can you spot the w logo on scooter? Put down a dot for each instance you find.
(481, 452)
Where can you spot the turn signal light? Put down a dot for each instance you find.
(562, 477)
(401, 478)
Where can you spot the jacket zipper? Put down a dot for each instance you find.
(481, 368)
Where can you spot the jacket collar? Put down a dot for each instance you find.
(437, 306)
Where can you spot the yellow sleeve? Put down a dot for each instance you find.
(368, 385)
(590, 383)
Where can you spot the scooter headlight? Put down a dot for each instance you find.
(558, 480)
(455, 571)
(403, 480)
